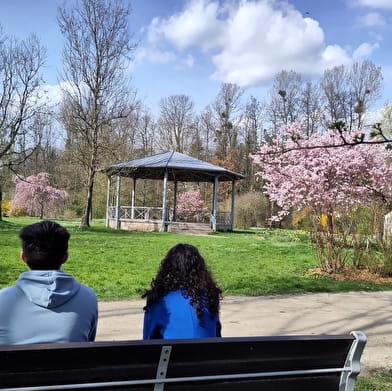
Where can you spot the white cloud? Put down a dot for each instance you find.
(250, 40)
(385, 4)
(334, 55)
(155, 55)
(189, 61)
(198, 24)
(364, 50)
(52, 93)
(372, 19)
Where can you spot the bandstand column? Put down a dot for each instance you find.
(175, 201)
(133, 198)
(232, 205)
(118, 185)
(107, 202)
(214, 204)
(164, 202)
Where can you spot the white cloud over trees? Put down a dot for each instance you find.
(248, 42)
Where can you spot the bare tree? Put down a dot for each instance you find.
(96, 53)
(175, 122)
(47, 148)
(207, 126)
(196, 146)
(350, 91)
(336, 94)
(20, 100)
(366, 84)
(311, 108)
(253, 124)
(146, 128)
(123, 136)
(134, 135)
(253, 136)
(227, 110)
(284, 103)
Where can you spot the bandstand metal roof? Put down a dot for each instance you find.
(179, 167)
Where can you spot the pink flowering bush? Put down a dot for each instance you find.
(329, 181)
(36, 197)
(190, 206)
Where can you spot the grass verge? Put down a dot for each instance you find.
(121, 264)
(375, 381)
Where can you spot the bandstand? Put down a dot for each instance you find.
(168, 167)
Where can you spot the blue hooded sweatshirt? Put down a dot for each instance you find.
(47, 306)
(172, 316)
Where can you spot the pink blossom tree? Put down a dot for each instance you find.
(35, 195)
(191, 206)
(330, 181)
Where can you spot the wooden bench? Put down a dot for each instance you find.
(280, 363)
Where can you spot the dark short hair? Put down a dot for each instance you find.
(44, 245)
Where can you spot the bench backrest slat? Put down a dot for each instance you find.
(276, 363)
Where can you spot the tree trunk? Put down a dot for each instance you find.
(330, 224)
(85, 222)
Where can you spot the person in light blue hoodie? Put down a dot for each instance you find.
(184, 300)
(45, 304)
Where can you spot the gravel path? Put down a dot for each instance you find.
(321, 313)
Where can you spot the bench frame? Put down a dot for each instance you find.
(290, 361)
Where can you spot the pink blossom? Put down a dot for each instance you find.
(190, 205)
(35, 196)
(298, 174)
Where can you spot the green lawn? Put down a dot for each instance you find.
(120, 265)
(375, 381)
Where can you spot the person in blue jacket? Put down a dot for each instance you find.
(183, 300)
(46, 304)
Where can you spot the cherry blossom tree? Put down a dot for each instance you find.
(191, 206)
(330, 182)
(35, 195)
(325, 179)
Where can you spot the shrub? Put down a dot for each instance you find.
(5, 208)
(251, 210)
(302, 219)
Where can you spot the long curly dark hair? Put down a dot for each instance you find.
(184, 268)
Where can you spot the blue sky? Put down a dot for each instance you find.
(191, 47)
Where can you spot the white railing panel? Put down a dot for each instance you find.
(136, 213)
(223, 218)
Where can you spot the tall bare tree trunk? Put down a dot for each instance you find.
(96, 55)
(85, 222)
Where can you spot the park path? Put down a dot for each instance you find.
(320, 313)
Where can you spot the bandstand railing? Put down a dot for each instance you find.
(222, 220)
(191, 216)
(136, 212)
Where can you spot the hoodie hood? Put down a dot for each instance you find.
(48, 288)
